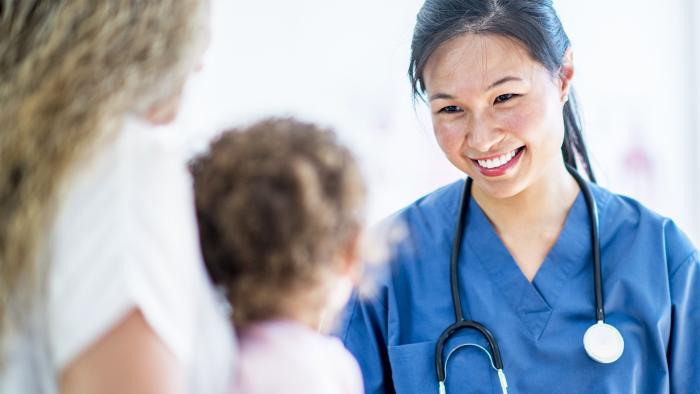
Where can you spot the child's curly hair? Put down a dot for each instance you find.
(275, 202)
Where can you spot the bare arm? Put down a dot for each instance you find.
(130, 358)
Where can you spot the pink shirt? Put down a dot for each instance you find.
(287, 357)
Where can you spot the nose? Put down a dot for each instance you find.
(483, 134)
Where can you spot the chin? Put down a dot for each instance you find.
(501, 188)
(502, 191)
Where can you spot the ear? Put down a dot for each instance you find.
(350, 258)
(566, 74)
(163, 112)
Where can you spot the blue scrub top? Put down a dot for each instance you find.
(651, 289)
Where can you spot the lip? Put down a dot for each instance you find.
(498, 171)
(496, 155)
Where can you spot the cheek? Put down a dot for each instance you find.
(523, 121)
(538, 125)
(449, 135)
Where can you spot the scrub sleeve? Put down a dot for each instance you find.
(684, 345)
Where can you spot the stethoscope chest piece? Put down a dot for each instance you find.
(603, 343)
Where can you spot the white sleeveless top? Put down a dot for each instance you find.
(125, 237)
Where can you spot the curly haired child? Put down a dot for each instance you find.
(279, 206)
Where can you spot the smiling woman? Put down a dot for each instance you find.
(497, 112)
(549, 263)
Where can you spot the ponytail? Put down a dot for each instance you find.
(574, 147)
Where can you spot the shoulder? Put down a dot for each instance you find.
(299, 360)
(421, 225)
(131, 194)
(627, 221)
(125, 237)
(136, 179)
(441, 200)
(127, 210)
(428, 216)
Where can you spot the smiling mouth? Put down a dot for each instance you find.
(499, 161)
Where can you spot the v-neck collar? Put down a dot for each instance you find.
(532, 301)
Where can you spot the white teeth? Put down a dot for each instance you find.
(498, 161)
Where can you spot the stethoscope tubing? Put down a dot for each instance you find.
(461, 322)
(593, 217)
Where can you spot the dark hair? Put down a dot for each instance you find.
(275, 203)
(533, 23)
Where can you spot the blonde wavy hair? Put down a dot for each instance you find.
(70, 70)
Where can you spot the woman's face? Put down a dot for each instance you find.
(497, 113)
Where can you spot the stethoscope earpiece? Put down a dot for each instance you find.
(603, 343)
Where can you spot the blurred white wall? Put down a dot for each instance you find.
(694, 82)
(635, 81)
(343, 63)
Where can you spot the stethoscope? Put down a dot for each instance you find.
(602, 341)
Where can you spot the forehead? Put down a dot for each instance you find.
(471, 62)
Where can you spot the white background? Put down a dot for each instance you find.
(344, 63)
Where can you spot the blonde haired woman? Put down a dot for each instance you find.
(101, 285)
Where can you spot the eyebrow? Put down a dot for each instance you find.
(501, 81)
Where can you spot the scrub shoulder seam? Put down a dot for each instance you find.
(693, 256)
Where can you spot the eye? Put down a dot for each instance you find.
(450, 109)
(505, 97)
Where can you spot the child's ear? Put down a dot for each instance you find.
(350, 261)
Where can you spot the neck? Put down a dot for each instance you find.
(545, 203)
(310, 319)
(307, 306)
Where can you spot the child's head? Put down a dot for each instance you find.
(279, 208)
